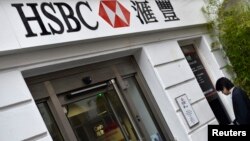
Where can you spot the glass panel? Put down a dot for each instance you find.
(199, 70)
(50, 121)
(122, 115)
(100, 118)
(135, 96)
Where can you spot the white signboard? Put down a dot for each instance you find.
(46, 22)
(187, 110)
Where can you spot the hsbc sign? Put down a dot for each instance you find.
(112, 11)
(38, 22)
(77, 18)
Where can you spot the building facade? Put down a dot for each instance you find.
(108, 70)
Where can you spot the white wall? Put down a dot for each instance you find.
(168, 75)
(158, 55)
(19, 117)
(215, 63)
(7, 36)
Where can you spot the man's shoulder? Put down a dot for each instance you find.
(238, 90)
(239, 93)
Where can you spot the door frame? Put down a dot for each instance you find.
(212, 98)
(43, 87)
(88, 92)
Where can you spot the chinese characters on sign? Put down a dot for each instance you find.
(187, 110)
(167, 10)
(146, 15)
(144, 12)
(68, 18)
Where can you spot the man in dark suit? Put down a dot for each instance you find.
(240, 100)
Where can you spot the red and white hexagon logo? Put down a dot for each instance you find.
(114, 13)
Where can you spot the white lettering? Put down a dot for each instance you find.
(244, 133)
(215, 131)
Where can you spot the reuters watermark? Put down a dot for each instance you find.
(239, 132)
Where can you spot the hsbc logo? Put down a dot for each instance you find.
(114, 13)
(55, 18)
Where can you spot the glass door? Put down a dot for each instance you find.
(141, 111)
(101, 116)
(106, 101)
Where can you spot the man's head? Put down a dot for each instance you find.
(224, 85)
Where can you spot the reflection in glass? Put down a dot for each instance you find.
(136, 98)
(100, 118)
(49, 121)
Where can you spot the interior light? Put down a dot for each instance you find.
(100, 94)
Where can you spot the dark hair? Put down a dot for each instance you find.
(223, 82)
